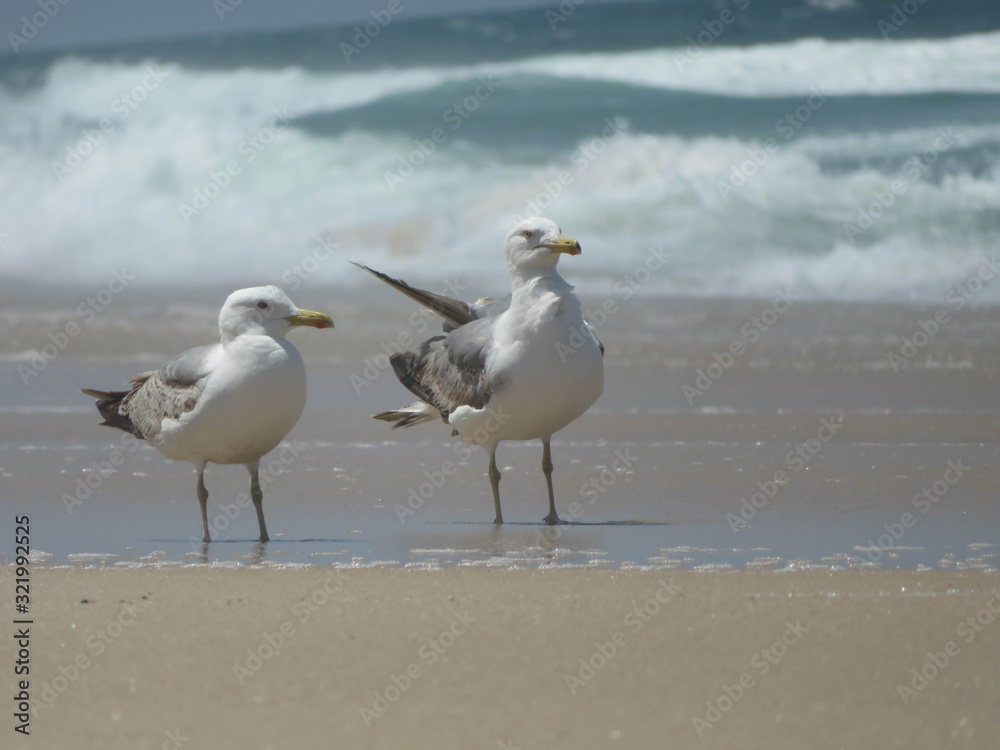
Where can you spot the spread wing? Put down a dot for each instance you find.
(447, 371)
(455, 312)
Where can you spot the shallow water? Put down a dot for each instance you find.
(646, 478)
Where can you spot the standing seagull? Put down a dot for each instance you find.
(226, 403)
(516, 371)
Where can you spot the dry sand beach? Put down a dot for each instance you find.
(323, 657)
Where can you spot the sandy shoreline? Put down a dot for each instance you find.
(692, 465)
(460, 658)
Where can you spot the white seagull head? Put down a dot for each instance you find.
(535, 245)
(265, 311)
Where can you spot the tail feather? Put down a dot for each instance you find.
(408, 416)
(107, 405)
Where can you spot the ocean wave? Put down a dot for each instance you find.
(76, 88)
(969, 64)
(301, 200)
(305, 205)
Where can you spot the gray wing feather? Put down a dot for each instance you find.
(152, 400)
(469, 345)
(450, 371)
(187, 368)
(167, 393)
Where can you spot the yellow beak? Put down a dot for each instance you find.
(564, 245)
(310, 318)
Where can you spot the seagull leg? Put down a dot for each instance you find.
(495, 484)
(203, 499)
(552, 517)
(258, 499)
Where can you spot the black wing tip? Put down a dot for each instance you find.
(107, 407)
(454, 311)
(363, 267)
(378, 274)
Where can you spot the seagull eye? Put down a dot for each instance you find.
(262, 305)
(527, 234)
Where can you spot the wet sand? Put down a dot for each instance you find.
(737, 475)
(320, 657)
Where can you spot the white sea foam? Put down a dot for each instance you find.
(78, 88)
(855, 66)
(785, 225)
(120, 207)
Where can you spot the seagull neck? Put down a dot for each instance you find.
(250, 343)
(529, 284)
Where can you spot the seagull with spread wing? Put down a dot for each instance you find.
(226, 403)
(517, 370)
